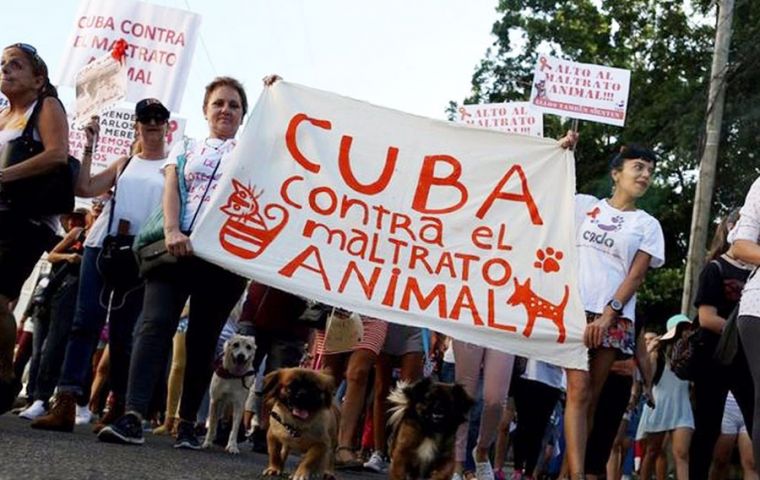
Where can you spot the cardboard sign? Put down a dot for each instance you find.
(512, 117)
(427, 223)
(581, 90)
(100, 85)
(161, 42)
(117, 132)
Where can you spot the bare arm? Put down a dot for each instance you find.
(54, 134)
(91, 186)
(56, 255)
(747, 251)
(592, 337)
(709, 319)
(177, 243)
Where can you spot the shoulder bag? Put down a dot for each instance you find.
(150, 243)
(49, 193)
(116, 261)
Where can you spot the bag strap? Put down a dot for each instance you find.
(113, 197)
(717, 264)
(31, 122)
(203, 198)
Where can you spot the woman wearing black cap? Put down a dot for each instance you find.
(24, 82)
(138, 184)
(617, 244)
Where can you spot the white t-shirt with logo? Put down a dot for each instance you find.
(201, 159)
(607, 240)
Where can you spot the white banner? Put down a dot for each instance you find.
(512, 117)
(99, 85)
(581, 90)
(117, 132)
(411, 220)
(160, 47)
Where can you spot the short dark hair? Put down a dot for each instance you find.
(226, 82)
(631, 151)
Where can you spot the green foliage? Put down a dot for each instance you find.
(667, 45)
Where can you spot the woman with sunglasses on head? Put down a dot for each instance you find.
(138, 184)
(212, 290)
(24, 82)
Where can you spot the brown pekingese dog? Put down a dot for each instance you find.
(303, 418)
(425, 417)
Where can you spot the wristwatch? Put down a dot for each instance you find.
(616, 306)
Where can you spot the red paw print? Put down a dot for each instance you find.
(548, 260)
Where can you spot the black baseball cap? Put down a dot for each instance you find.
(148, 108)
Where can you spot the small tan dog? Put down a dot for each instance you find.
(303, 419)
(232, 379)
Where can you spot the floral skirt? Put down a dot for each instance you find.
(621, 335)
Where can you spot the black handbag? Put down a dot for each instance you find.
(50, 193)
(154, 255)
(116, 261)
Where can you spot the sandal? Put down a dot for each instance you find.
(351, 463)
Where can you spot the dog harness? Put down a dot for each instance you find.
(293, 431)
(226, 374)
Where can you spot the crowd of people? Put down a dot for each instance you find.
(134, 351)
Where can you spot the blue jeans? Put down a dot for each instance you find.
(51, 338)
(92, 309)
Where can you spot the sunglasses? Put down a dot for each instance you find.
(29, 49)
(146, 119)
(25, 47)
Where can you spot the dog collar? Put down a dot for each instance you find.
(293, 431)
(222, 372)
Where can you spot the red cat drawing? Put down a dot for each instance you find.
(246, 232)
(537, 307)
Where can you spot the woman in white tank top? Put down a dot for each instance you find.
(138, 184)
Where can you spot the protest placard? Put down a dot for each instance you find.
(466, 231)
(511, 117)
(100, 85)
(117, 132)
(581, 90)
(159, 51)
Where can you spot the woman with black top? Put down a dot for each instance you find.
(719, 291)
(24, 82)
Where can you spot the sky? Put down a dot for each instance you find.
(413, 56)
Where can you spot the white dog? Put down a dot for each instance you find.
(229, 387)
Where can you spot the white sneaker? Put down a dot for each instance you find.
(83, 415)
(457, 476)
(36, 409)
(483, 471)
(376, 463)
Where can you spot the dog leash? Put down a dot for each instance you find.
(293, 431)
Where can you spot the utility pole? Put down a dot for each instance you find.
(700, 218)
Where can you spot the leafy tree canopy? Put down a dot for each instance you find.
(667, 45)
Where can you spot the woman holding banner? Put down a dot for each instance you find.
(617, 244)
(118, 296)
(24, 82)
(212, 290)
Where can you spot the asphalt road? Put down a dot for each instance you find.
(34, 454)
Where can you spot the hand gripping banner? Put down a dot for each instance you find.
(416, 221)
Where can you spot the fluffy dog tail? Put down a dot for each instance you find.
(400, 402)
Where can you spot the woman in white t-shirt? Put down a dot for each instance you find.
(617, 244)
(212, 290)
(138, 185)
